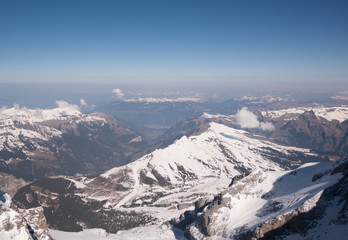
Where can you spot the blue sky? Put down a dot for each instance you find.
(210, 42)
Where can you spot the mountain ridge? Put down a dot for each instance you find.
(43, 142)
(161, 185)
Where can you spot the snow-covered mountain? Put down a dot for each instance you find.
(21, 224)
(211, 158)
(339, 113)
(161, 185)
(307, 203)
(217, 181)
(323, 129)
(41, 142)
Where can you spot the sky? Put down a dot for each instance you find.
(174, 42)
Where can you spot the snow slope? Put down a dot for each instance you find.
(264, 201)
(161, 232)
(88, 234)
(280, 193)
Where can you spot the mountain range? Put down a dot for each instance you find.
(275, 173)
(160, 185)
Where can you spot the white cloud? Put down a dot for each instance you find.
(64, 104)
(247, 119)
(267, 126)
(85, 106)
(118, 93)
(83, 102)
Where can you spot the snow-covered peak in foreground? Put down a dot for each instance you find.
(168, 180)
(21, 224)
(339, 113)
(306, 203)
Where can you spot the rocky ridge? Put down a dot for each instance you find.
(21, 224)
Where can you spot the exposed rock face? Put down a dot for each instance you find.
(23, 224)
(36, 221)
(190, 216)
(317, 133)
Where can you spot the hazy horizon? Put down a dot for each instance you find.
(39, 95)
